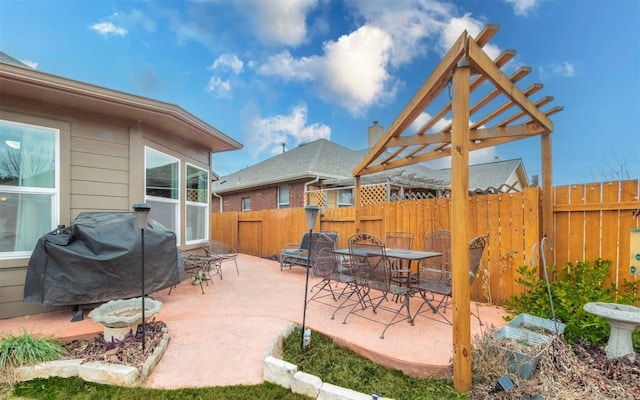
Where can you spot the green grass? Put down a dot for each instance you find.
(343, 367)
(323, 358)
(77, 389)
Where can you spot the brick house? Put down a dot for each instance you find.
(319, 173)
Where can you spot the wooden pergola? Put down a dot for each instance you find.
(465, 67)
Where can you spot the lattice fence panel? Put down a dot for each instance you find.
(316, 198)
(372, 194)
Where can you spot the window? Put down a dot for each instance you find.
(345, 197)
(246, 203)
(162, 175)
(29, 185)
(283, 196)
(197, 204)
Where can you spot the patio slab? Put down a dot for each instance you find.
(220, 338)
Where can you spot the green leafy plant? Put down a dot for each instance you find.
(27, 349)
(573, 286)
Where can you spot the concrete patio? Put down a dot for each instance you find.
(220, 338)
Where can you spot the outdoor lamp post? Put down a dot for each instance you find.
(142, 214)
(312, 214)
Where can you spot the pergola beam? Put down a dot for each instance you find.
(429, 91)
(479, 60)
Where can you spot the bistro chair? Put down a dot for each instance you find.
(220, 252)
(371, 270)
(403, 241)
(432, 281)
(325, 266)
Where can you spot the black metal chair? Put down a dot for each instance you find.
(220, 252)
(372, 272)
(434, 280)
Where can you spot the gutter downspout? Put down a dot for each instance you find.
(306, 185)
(218, 196)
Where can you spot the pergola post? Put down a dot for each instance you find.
(460, 219)
(358, 202)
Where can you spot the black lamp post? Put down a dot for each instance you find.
(312, 214)
(142, 214)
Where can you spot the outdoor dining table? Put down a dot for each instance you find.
(407, 290)
(400, 254)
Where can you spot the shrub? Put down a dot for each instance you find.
(573, 287)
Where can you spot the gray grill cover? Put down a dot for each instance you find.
(97, 259)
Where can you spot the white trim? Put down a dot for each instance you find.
(204, 205)
(177, 202)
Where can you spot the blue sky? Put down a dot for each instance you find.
(267, 72)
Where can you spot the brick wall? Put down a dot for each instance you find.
(265, 198)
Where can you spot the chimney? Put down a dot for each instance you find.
(534, 180)
(375, 133)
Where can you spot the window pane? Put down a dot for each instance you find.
(27, 155)
(345, 197)
(197, 185)
(24, 218)
(162, 175)
(246, 204)
(283, 195)
(196, 222)
(164, 213)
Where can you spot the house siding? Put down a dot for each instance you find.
(101, 169)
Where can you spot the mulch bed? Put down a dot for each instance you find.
(127, 351)
(563, 372)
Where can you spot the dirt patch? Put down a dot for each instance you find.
(563, 372)
(126, 352)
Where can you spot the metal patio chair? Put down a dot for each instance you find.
(436, 279)
(220, 252)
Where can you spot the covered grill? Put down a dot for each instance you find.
(97, 259)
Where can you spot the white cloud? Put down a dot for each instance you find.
(523, 7)
(355, 68)
(423, 118)
(228, 61)
(565, 70)
(30, 64)
(219, 87)
(390, 34)
(279, 22)
(407, 23)
(352, 70)
(293, 129)
(285, 66)
(108, 29)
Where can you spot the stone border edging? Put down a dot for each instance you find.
(96, 371)
(285, 374)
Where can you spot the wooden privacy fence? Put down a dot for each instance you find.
(595, 220)
(590, 221)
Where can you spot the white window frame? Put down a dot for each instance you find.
(53, 192)
(242, 203)
(204, 205)
(175, 202)
(288, 203)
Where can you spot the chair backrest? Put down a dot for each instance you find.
(304, 242)
(365, 262)
(399, 240)
(217, 249)
(324, 261)
(476, 248)
(437, 267)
